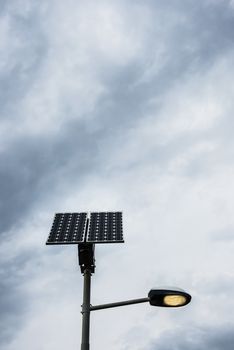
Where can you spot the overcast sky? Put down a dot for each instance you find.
(107, 106)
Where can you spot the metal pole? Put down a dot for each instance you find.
(86, 310)
(120, 303)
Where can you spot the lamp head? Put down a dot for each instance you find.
(169, 297)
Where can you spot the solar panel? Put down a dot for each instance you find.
(75, 228)
(68, 228)
(105, 227)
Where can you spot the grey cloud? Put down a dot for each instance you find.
(31, 164)
(225, 235)
(23, 61)
(196, 338)
(32, 168)
(128, 100)
(13, 301)
(209, 33)
(35, 168)
(200, 32)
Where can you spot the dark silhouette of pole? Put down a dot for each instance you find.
(86, 310)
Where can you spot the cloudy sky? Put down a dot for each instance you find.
(118, 105)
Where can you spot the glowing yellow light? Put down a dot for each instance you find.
(174, 300)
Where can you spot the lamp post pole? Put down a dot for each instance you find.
(156, 297)
(86, 310)
(104, 227)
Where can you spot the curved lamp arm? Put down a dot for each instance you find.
(120, 303)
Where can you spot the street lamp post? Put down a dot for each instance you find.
(156, 297)
(106, 227)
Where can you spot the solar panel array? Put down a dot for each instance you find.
(75, 228)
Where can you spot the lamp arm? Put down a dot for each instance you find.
(120, 303)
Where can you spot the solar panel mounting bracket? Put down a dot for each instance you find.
(86, 257)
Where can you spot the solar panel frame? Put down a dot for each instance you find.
(68, 228)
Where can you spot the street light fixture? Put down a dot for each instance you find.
(169, 297)
(156, 297)
(86, 230)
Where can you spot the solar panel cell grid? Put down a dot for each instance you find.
(105, 227)
(68, 228)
